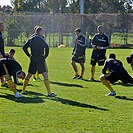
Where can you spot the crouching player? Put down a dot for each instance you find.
(117, 72)
(8, 68)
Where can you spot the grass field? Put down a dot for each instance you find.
(80, 106)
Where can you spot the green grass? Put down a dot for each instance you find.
(80, 106)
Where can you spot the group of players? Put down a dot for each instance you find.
(39, 52)
(113, 69)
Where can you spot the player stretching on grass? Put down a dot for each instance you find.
(78, 55)
(117, 72)
(100, 43)
(8, 68)
(37, 45)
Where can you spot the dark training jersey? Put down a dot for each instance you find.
(12, 66)
(37, 45)
(113, 65)
(98, 55)
(2, 44)
(101, 40)
(79, 48)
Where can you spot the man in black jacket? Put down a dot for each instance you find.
(37, 45)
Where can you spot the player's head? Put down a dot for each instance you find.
(100, 29)
(21, 75)
(78, 31)
(1, 27)
(129, 59)
(11, 53)
(39, 30)
(112, 55)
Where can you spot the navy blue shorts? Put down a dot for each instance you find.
(37, 66)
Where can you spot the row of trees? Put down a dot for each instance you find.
(73, 6)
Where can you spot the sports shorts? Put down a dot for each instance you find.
(125, 78)
(37, 66)
(98, 57)
(78, 58)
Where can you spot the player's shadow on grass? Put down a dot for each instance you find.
(120, 83)
(23, 99)
(124, 98)
(21, 84)
(75, 103)
(66, 84)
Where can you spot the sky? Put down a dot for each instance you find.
(5, 2)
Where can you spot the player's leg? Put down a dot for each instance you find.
(92, 72)
(10, 82)
(26, 81)
(73, 63)
(107, 84)
(47, 84)
(82, 70)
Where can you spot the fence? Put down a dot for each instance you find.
(59, 28)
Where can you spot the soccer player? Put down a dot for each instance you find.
(2, 39)
(100, 43)
(78, 54)
(117, 72)
(37, 57)
(8, 68)
(130, 60)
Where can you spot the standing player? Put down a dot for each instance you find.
(100, 43)
(78, 54)
(1, 39)
(117, 72)
(37, 57)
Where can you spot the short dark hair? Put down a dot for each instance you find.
(38, 29)
(78, 30)
(129, 59)
(112, 55)
(12, 51)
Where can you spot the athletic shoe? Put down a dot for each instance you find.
(111, 94)
(91, 79)
(76, 76)
(24, 93)
(80, 77)
(17, 95)
(51, 95)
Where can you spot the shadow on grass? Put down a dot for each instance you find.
(120, 83)
(21, 84)
(75, 103)
(93, 81)
(124, 98)
(23, 99)
(66, 84)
